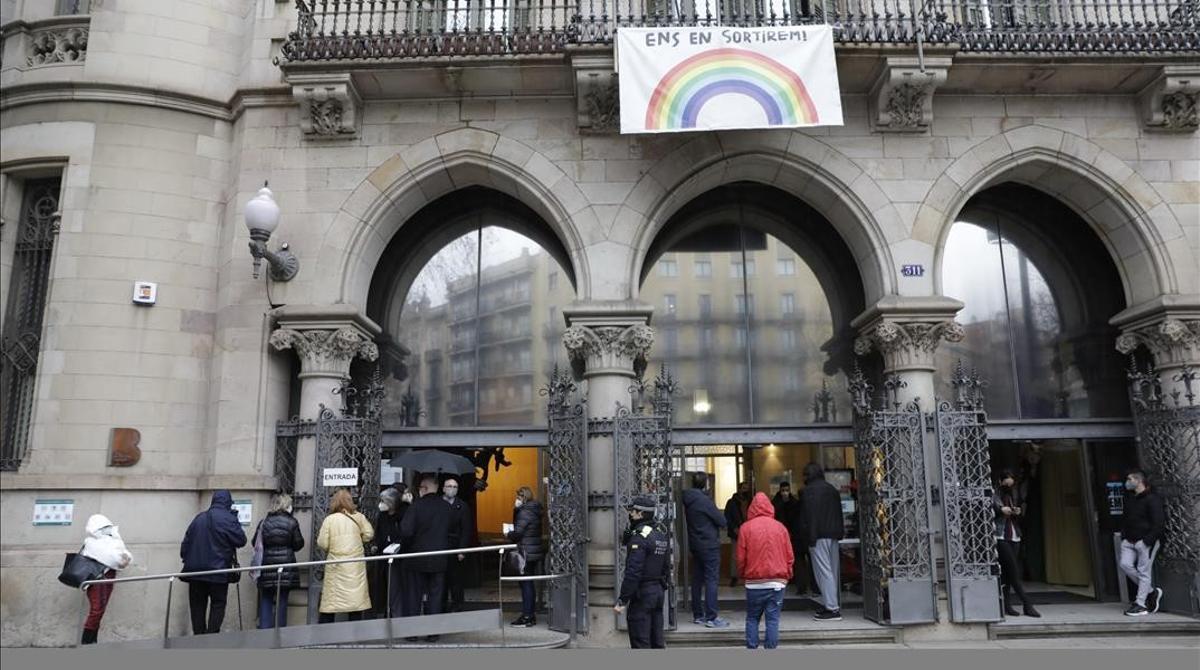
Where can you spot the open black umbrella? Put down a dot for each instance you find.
(434, 460)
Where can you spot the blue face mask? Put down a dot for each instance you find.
(1130, 485)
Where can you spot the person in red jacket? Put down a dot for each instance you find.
(764, 560)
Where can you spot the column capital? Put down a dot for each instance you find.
(1171, 102)
(608, 338)
(326, 338)
(902, 95)
(907, 331)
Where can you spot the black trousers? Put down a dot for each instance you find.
(427, 585)
(330, 617)
(644, 618)
(455, 577)
(207, 603)
(1010, 569)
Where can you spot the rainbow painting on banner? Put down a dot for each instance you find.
(692, 78)
(682, 93)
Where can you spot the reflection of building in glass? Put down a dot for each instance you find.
(744, 333)
(482, 353)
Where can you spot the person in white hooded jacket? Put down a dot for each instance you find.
(104, 544)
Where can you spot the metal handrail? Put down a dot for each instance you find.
(278, 568)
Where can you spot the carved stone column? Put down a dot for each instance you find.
(608, 344)
(1172, 336)
(326, 339)
(907, 331)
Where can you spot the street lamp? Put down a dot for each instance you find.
(262, 218)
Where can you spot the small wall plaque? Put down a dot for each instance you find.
(912, 270)
(244, 511)
(145, 292)
(58, 512)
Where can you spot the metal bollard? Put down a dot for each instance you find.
(388, 595)
(278, 581)
(167, 616)
(500, 600)
(574, 613)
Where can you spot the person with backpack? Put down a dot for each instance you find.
(104, 545)
(211, 543)
(276, 541)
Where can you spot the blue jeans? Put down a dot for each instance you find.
(706, 566)
(266, 608)
(529, 591)
(758, 602)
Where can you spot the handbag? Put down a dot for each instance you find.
(256, 561)
(78, 569)
(514, 563)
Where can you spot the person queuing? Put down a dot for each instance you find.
(103, 544)
(704, 524)
(425, 527)
(392, 506)
(527, 535)
(735, 515)
(1142, 525)
(1009, 508)
(647, 562)
(790, 513)
(281, 538)
(765, 560)
(824, 525)
(342, 535)
(460, 538)
(211, 543)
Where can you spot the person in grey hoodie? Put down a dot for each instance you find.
(704, 524)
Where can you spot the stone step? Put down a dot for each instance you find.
(735, 636)
(1133, 627)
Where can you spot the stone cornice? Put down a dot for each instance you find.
(12, 482)
(20, 95)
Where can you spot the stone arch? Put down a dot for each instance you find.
(400, 187)
(1139, 230)
(795, 163)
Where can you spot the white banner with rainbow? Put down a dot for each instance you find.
(722, 78)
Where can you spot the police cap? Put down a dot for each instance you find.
(643, 503)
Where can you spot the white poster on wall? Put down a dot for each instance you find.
(724, 78)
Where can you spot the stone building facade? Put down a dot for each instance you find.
(152, 123)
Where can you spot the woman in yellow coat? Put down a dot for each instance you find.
(343, 534)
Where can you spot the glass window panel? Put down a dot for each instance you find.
(482, 321)
(702, 268)
(668, 268)
(791, 328)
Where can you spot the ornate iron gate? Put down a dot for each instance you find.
(566, 500)
(972, 583)
(349, 438)
(1169, 448)
(644, 454)
(897, 551)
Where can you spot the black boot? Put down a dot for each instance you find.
(1029, 611)
(89, 636)
(1009, 610)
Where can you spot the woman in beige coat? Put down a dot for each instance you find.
(343, 534)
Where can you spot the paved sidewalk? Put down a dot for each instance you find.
(1108, 642)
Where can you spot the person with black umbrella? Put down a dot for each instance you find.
(425, 527)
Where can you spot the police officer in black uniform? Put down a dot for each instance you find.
(646, 564)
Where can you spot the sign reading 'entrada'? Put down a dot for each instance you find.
(681, 79)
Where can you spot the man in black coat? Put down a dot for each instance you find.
(735, 515)
(211, 543)
(704, 524)
(790, 512)
(823, 526)
(425, 527)
(1142, 523)
(460, 538)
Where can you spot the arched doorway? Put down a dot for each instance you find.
(469, 296)
(754, 292)
(1039, 289)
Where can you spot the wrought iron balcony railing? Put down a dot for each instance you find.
(397, 29)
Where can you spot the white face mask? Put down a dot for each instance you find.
(289, 509)
(450, 492)
(383, 507)
(518, 503)
(406, 497)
